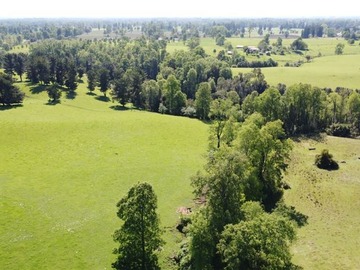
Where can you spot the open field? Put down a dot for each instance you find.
(331, 240)
(63, 168)
(331, 71)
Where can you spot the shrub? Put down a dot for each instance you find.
(325, 161)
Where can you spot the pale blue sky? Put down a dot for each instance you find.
(180, 8)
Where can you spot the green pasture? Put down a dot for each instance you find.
(331, 200)
(64, 167)
(331, 71)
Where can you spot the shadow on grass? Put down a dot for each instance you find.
(91, 94)
(102, 98)
(318, 137)
(37, 88)
(71, 94)
(119, 108)
(53, 102)
(9, 107)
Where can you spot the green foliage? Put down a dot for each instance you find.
(299, 45)
(269, 104)
(9, 94)
(175, 100)
(220, 112)
(150, 92)
(267, 150)
(139, 236)
(259, 242)
(91, 79)
(339, 49)
(54, 93)
(325, 161)
(223, 188)
(203, 100)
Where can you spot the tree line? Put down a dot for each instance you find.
(183, 83)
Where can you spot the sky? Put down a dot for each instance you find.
(180, 8)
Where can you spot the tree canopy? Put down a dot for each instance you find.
(140, 235)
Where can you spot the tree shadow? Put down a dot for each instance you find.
(102, 98)
(37, 88)
(9, 107)
(52, 102)
(71, 94)
(298, 52)
(91, 94)
(119, 108)
(318, 137)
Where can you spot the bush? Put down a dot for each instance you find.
(325, 161)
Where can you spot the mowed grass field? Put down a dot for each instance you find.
(63, 168)
(331, 240)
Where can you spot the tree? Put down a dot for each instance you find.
(104, 81)
(354, 109)
(71, 76)
(220, 112)
(91, 79)
(339, 49)
(190, 83)
(140, 234)
(267, 150)
(150, 92)
(9, 93)
(20, 66)
(299, 44)
(269, 104)
(223, 187)
(9, 63)
(54, 93)
(260, 241)
(203, 100)
(174, 98)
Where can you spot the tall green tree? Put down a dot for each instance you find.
(260, 241)
(20, 64)
(91, 80)
(220, 112)
(9, 93)
(269, 104)
(354, 109)
(151, 94)
(71, 77)
(140, 235)
(203, 100)
(267, 150)
(223, 188)
(174, 98)
(120, 90)
(104, 81)
(190, 83)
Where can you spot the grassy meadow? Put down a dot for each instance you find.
(331, 200)
(63, 168)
